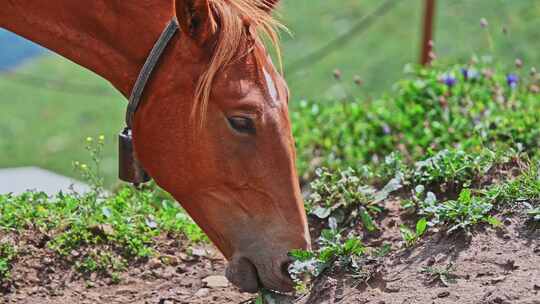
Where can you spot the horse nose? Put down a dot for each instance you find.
(276, 275)
(251, 274)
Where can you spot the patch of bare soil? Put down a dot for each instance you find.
(173, 277)
(486, 267)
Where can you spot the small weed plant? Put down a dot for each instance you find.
(444, 276)
(7, 255)
(334, 250)
(411, 237)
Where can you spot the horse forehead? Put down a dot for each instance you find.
(255, 83)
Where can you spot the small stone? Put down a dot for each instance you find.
(499, 300)
(169, 260)
(203, 292)
(537, 287)
(391, 288)
(216, 281)
(125, 291)
(154, 263)
(34, 290)
(443, 294)
(497, 279)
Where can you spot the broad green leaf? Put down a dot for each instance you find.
(421, 227)
(367, 221)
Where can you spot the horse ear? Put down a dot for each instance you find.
(195, 19)
(269, 5)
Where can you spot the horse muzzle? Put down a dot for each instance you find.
(250, 275)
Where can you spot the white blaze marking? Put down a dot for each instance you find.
(272, 89)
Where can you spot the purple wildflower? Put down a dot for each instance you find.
(469, 74)
(465, 73)
(449, 80)
(386, 129)
(512, 80)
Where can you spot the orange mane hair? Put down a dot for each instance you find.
(233, 16)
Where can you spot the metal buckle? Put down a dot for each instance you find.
(129, 169)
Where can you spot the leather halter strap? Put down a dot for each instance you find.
(146, 71)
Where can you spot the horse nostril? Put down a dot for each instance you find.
(285, 268)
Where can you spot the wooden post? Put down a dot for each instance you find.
(427, 39)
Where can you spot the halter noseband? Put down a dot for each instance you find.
(130, 170)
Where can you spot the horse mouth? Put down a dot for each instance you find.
(245, 275)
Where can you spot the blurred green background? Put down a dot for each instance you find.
(50, 105)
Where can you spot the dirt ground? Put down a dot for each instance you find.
(485, 267)
(173, 277)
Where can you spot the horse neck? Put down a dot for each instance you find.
(109, 37)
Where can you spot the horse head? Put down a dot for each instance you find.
(216, 134)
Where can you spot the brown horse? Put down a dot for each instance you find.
(234, 172)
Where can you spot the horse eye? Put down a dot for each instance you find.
(242, 124)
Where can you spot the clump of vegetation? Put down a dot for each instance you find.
(439, 145)
(470, 107)
(97, 231)
(533, 213)
(343, 197)
(340, 197)
(452, 169)
(443, 276)
(334, 250)
(8, 253)
(466, 211)
(411, 237)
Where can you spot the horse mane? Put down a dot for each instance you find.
(242, 26)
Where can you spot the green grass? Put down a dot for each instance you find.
(47, 128)
(423, 117)
(379, 54)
